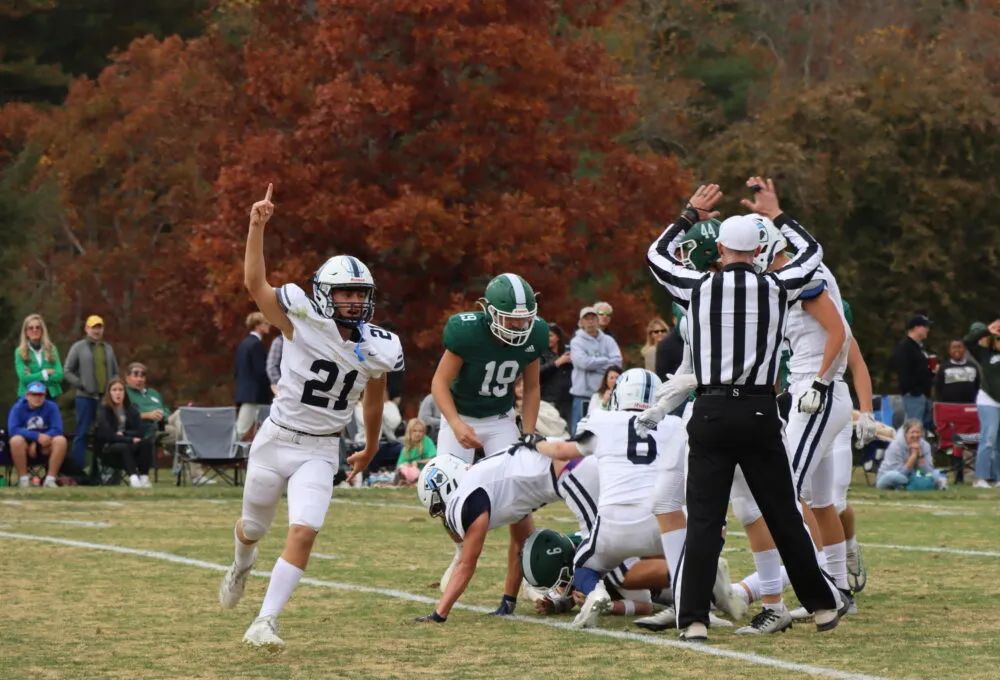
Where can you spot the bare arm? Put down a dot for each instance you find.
(861, 377)
(838, 337)
(472, 547)
(444, 376)
(371, 409)
(254, 272)
(532, 396)
(558, 450)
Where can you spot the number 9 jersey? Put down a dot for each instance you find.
(323, 375)
(485, 383)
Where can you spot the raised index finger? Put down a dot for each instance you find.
(270, 190)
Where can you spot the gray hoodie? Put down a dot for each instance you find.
(591, 356)
(898, 451)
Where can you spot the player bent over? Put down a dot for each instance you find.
(331, 354)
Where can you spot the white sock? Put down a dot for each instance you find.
(820, 558)
(752, 583)
(768, 571)
(852, 544)
(673, 544)
(284, 578)
(245, 554)
(836, 563)
(777, 606)
(48, 477)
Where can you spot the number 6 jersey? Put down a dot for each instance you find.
(323, 375)
(485, 384)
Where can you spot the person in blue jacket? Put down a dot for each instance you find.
(36, 429)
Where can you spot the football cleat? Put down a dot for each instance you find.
(658, 621)
(723, 596)
(263, 634)
(801, 614)
(767, 621)
(826, 619)
(598, 602)
(857, 574)
(234, 582)
(696, 632)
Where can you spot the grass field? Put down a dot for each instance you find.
(119, 583)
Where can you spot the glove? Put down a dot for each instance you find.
(866, 429)
(676, 385)
(433, 617)
(530, 440)
(507, 605)
(648, 420)
(815, 397)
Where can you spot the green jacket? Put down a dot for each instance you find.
(988, 360)
(149, 400)
(31, 370)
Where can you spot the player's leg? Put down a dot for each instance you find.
(19, 456)
(843, 466)
(57, 455)
(519, 532)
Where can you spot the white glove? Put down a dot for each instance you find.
(815, 397)
(674, 391)
(866, 429)
(648, 420)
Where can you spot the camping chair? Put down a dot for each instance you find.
(958, 435)
(209, 439)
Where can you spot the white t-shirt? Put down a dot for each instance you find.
(806, 336)
(323, 375)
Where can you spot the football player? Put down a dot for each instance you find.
(502, 489)
(331, 355)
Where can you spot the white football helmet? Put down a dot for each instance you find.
(343, 271)
(772, 242)
(438, 481)
(635, 390)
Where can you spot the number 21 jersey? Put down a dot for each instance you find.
(323, 375)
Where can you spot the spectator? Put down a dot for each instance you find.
(253, 389)
(913, 370)
(90, 365)
(957, 380)
(656, 330)
(908, 453)
(274, 362)
(430, 416)
(549, 422)
(983, 342)
(389, 437)
(604, 311)
(556, 373)
(119, 436)
(153, 408)
(417, 450)
(35, 428)
(592, 352)
(36, 359)
(601, 399)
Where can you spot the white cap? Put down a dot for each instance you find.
(740, 232)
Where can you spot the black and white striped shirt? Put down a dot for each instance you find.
(736, 317)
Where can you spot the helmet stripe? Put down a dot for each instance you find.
(520, 296)
(647, 386)
(355, 269)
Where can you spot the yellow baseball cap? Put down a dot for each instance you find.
(94, 320)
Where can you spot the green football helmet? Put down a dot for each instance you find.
(697, 250)
(510, 304)
(547, 559)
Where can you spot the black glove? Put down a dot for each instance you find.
(530, 440)
(506, 607)
(433, 617)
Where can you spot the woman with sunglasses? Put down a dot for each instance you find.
(656, 330)
(36, 359)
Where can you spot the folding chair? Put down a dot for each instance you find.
(957, 427)
(209, 439)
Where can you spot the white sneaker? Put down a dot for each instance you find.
(446, 576)
(981, 484)
(800, 614)
(234, 582)
(133, 481)
(658, 621)
(718, 622)
(50, 483)
(723, 596)
(768, 621)
(263, 634)
(24, 482)
(598, 602)
(696, 632)
(144, 481)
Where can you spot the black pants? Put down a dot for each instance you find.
(135, 459)
(725, 432)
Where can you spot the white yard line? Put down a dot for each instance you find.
(659, 641)
(943, 551)
(323, 556)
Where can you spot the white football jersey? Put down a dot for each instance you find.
(323, 375)
(517, 483)
(626, 462)
(580, 487)
(805, 335)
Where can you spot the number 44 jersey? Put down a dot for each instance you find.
(323, 375)
(485, 384)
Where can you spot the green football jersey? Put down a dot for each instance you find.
(485, 384)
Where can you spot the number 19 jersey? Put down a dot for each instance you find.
(323, 375)
(485, 384)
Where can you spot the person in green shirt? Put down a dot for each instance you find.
(484, 354)
(151, 404)
(417, 450)
(36, 359)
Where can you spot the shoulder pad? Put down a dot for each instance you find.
(293, 300)
(460, 330)
(382, 348)
(813, 289)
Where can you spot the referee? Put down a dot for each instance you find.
(737, 323)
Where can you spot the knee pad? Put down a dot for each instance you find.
(252, 529)
(746, 510)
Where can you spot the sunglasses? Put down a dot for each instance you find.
(34, 328)
(139, 373)
(604, 314)
(658, 331)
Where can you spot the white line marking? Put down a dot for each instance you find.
(323, 556)
(944, 505)
(412, 597)
(14, 503)
(379, 504)
(68, 522)
(946, 551)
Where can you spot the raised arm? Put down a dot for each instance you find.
(254, 272)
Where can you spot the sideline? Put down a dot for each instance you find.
(659, 641)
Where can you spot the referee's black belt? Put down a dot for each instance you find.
(735, 391)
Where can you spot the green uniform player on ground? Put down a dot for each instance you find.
(485, 352)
